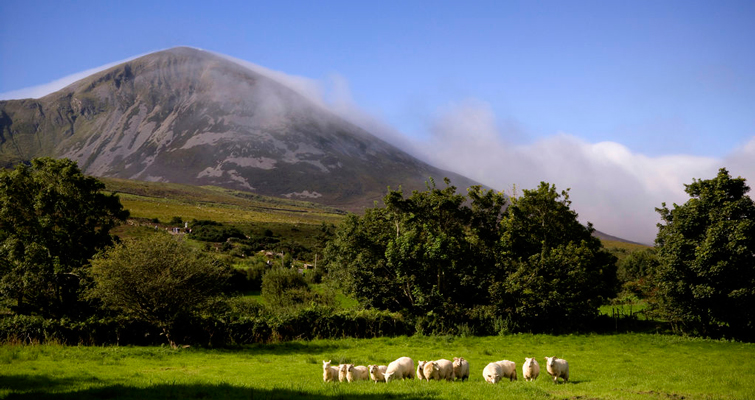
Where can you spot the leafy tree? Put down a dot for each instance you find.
(159, 280)
(420, 254)
(706, 250)
(356, 259)
(53, 219)
(555, 273)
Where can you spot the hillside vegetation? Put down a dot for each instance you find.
(167, 200)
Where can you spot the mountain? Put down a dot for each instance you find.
(189, 116)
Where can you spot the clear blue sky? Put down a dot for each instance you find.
(658, 77)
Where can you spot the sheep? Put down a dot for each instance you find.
(461, 368)
(439, 369)
(377, 372)
(498, 370)
(329, 374)
(530, 369)
(342, 372)
(401, 368)
(357, 373)
(421, 370)
(557, 368)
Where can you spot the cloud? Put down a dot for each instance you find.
(333, 94)
(611, 186)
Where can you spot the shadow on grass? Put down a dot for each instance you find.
(201, 391)
(25, 383)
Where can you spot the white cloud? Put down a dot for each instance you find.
(611, 186)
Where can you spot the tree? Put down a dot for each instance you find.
(53, 219)
(554, 272)
(706, 251)
(158, 279)
(636, 272)
(423, 253)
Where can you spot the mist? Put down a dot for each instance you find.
(615, 188)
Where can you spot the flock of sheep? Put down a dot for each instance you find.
(403, 368)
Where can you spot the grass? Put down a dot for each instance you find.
(167, 200)
(629, 366)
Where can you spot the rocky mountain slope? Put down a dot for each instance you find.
(188, 116)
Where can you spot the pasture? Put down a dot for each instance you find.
(624, 366)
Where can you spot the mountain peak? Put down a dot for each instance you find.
(187, 115)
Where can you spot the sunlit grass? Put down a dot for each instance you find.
(631, 366)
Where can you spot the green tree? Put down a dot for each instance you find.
(159, 280)
(554, 272)
(423, 253)
(53, 219)
(706, 250)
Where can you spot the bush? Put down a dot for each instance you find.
(277, 282)
(159, 280)
(211, 231)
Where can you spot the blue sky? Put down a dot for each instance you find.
(660, 91)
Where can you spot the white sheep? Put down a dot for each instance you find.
(377, 372)
(329, 374)
(461, 368)
(342, 372)
(530, 369)
(439, 369)
(401, 368)
(498, 370)
(557, 368)
(357, 373)
(421, 370)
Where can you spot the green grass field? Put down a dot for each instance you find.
(629, 366)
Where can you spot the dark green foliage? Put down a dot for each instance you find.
(636, 272)
(418, 254)
(637, 265)
(277, 284)
(438, 254)
(706, 251)
(556, 273)
(211, 231)
(158, 280)
(53, 219)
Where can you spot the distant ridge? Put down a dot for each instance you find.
(604, 236)
(189, 116)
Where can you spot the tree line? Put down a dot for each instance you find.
(433, 261)
(443, 256)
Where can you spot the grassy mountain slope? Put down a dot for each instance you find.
(167, 200)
